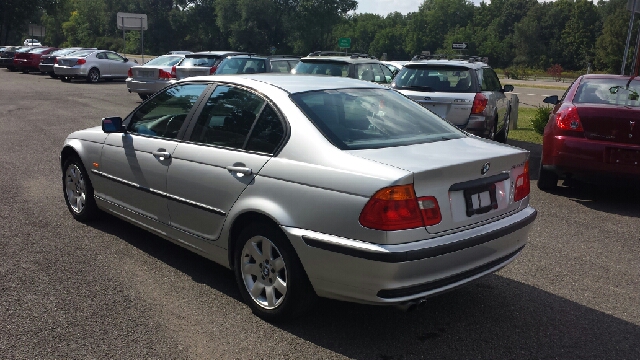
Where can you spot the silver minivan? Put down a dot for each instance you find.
(466, 93)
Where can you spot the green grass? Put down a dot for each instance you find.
(525, 130)
(548, 87)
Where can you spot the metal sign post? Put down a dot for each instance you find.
(632, 6)
(142, 40)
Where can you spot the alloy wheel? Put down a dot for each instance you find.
(264, 272)
(75, 189)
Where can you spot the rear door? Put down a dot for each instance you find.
(226, 145)
(132, 172)
(492, 89)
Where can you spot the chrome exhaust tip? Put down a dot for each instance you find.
(410, 306)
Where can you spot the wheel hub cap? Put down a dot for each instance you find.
(264, 272)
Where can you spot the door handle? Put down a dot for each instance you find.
(161, 154)
(240, 169)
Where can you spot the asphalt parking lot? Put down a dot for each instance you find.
(111, 290)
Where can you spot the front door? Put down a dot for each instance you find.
(133, 167)
(226, 146)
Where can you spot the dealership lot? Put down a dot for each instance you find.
(109, 289)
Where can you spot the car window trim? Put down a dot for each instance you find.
(283, 120)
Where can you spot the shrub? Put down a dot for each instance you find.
(540, 118)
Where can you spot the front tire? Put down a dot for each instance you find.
(53, 75)
(269, 274)
(93, 76)
(78, 191)
(547, 179)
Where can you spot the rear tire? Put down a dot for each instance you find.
(144, 97)
(93, 76)
(262, 278)
(547, 179)
(53, 75)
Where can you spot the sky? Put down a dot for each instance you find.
(384, 7)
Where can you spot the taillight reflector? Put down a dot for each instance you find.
(81, 61)
(398, 208)
(522, 184)
(479, 103)
(567, 118)
(213, 70)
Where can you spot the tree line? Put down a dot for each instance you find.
(511, 33)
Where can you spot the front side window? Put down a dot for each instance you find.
(101, 56)
(164, 115)
(608, 92)
(279, 67)
(372, 118)
(434, 78)
(322, 68)
(490, 80)
(227, 117)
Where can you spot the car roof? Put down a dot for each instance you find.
(342, 59)
(216, 53)
(253, 56)
(458, 63)
(294, 83)
(607, 76)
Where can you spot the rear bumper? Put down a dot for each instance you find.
(363, 272)
(70, 71)
(46, 68)
(6, 62)
(591, 158)
(146, 87)
(477, 125)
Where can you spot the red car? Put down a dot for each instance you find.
(593, 131)
(28, 61)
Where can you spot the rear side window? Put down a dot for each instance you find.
(489, 80)
(435, 78)
(322, 68)
(372, 118)
(609, 92)
(267, 133)
(279, 67)
(227, 117)
(372, 72)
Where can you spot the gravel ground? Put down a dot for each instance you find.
(110, 290)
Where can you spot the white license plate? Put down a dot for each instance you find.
(146, 73)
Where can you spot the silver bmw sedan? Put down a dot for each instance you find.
(307, 186)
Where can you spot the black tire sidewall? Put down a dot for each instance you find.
(298, 287)
(89, 79)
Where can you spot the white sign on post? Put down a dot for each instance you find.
(36, 30)
(127, 21)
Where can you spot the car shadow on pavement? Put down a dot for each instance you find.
(535, 156)
(493, 318)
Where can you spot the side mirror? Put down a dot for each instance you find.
(508, 88)
(126, 59)
(112, 125)
(553, 100)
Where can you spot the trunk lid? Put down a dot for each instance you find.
(47, 59)
(183, 72)
(453, 107)
(67, 61)
(614, 123)
(451, 170)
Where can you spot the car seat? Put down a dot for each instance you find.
(367, 75)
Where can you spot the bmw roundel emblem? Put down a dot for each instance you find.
(485, 168)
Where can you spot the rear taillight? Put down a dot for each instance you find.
(567, 118)
(213, 70)
(479, 103)
(55, 61)
(165, 75)
(173, 71)
(81, 61)
(522, 187)
(398, 208)
(130, 73)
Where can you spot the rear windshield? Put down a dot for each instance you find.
(82, 53)
(608, 91)
(435, 78)
(204, 61)
(322, 68)
(241, 66)
(39, 51)
(63, 52)
(372, 118)
(165, 61)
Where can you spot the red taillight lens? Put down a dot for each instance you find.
(130, 73)
(522, 184)
(165, 75)
(398, 208)
(213, 70)
(81, 61)
(479, 103)
(55, 61)
(173, 71)
(567, 119)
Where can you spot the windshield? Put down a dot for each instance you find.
(200, 61)
(165, 61)
(322, 68)
(241, 66)
(609, 91)
(435, 78)
(372, 118)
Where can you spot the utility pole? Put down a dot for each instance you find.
(626, 48)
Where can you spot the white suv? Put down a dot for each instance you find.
(32, 42)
